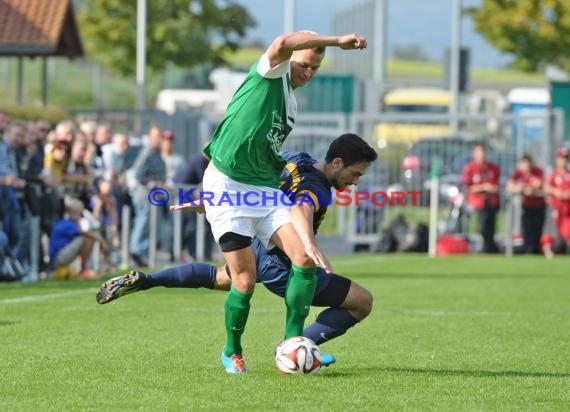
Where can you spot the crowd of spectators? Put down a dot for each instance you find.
(536, 191)
(75, 178)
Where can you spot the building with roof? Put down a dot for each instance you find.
(38, 29)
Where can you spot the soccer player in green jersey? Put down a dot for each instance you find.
(245, 157)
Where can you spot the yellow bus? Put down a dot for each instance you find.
(412, 101)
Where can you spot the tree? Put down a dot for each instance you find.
(183, 32)
(537, 32)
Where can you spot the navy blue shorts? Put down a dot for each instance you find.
(273, 271)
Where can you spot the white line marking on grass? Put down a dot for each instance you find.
(454, 312)
(49, 296)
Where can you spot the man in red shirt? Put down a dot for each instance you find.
(558, 187)
(482, 181)
(527, 181)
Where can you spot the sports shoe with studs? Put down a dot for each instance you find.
(120, 286)
(234, 364)
(327, 359)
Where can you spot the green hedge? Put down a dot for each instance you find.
(52, 114)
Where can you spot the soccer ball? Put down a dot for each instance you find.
(298, 355)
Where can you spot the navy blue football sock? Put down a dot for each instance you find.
(191, 275)
(330, 323)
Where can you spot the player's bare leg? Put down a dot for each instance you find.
(358, 301)
(335, 321)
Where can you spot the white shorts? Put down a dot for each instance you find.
(244, 209)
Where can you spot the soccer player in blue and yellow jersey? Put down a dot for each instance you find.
(307, 183)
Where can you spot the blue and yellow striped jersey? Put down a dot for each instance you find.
(304, 183)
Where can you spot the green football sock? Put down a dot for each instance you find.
(298, 298)
(236, 309)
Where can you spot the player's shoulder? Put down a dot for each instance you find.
(264, 69)
(298, 157)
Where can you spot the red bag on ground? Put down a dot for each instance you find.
(451, 245)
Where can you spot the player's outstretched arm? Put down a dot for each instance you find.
(192, 207)
(302, 218)
(282, 47)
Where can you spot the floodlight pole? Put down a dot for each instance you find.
(379, 43)
(20, 84)
(289, 16)
(141, 55)
(454, 63)
(375, 87)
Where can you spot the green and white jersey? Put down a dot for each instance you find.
(247, 144)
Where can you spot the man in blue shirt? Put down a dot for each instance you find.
(10, 182)
(68, 241)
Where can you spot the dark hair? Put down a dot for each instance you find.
(480, 144)
(527, 157)
(17, 124)
(351, 149)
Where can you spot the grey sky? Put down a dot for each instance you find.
(424, 22)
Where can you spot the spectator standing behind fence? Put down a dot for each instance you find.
(42, 128)
(88, 128)
(30, 166)
(481, 178)
(192, 174)
(104, 205)
(173, 162)
(56, 161)
(41, 131)
(103, 135)
(31, 154)
(64, 132)
(118, 157)
(527, 180)
(558, 187)
(4, 121)
(148, 171)
(77, 177)
(10, 183)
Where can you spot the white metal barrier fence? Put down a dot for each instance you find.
(507, 136)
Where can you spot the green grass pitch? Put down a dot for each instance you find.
(462, 333)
